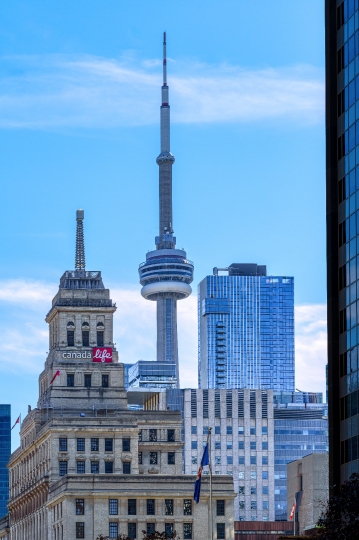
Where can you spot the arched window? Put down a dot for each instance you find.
(100, 334)
(70, 334)
(85, 334)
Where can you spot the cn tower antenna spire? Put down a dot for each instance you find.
(164, 60)
(80, 241)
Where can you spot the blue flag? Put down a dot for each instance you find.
(197, 484)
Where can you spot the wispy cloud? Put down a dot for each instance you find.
(40, 92)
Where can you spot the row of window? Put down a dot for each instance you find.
(253, 490)
(350, 449)
(229, 445)
(85, 338)
(345, 11)
(153, 435)
(348, 52)
(349, 362)
(150, 507)
(229, 430)
(94, 444)
(241, 460)
(87, 380)
(265, 505)
(171, 458)
(94, 467)
(349, 405)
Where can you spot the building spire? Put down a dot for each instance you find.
(80, 242)
(164, 60)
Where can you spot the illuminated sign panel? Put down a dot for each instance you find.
(102, 354)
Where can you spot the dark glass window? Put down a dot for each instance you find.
(150, 528)
(171, 435)
(253, 445)
(108, 467)
(264, 460)
(70, 379)
(187, 507)
(221, 531)
(229, 430)
(80, 444)
(113, 530)
(113, 507)
(131, 507)
(80, 467)
(140, 435)
(80, 507)
(131, 530)
(85, 338)
(169, 507)
(264, 445)
(80, 530)
(100, 340)
(194, 430)
(105, 381)
(253, 460)
(70, 338)
(217, 430)
(217, 445)
(63, 444)
(126, 467)
(169, 529)
(62, 468)
(153, 435)
(171, 458)
(187, 531)
(253, 431)
(87, 380)
(151, 508)
(265, 490)
(140, 458)
(220, 507)
(94, 445)
(153, 458)
(108, 445)
(241, 460)
(240, 445)
(264, 475)
(264, 430)
(95, 467)
(253, 490)
(194, 445)
(126, 445)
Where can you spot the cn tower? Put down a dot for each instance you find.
(166, 275)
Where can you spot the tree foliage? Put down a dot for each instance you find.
(340, 519)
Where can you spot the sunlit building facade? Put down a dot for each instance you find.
(5, 450)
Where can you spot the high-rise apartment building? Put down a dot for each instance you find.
(5, 450)
(342, 164)
(166, 274)
(246, 329)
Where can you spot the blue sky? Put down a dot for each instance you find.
(79, 127)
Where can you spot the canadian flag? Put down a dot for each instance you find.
(54, 377)
(293, 510)
(18, 421)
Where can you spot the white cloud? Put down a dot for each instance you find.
(31, 294)
(88, 91)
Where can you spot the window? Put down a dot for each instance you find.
(80, 467)
(253, 460)
(264, 430)
(153, 458)
(240, 430)
(264, 460)
(169, 529)
(229, 460)
(71, 343)
(140, 435)
(229, 430)
(253, 505)
(126, 467)
(62, 468)
(80, 445)
(205, 430)
(71, 380)
(80, 507)
(85, 338)
(253, 475)
(153, 435)
(150, 528)
(63, 444)
(104, 381)
(87, 380)
(113, 532)
(221, 531)
(94, 445)
(100, 340)
(217, 460)
(229, 445)
(217, 430)
(131, 507)
(240, 445)
(241, 460)
(264, 475)
(126, 445)
(169, 507)
(113, 507)
(95, 467)
(265, 505)
(151, 507)
(265, 490)
(264, 445)
(241, 490)
(80, 529)
(193, 430)
(108, 467)
(187, 507)
(253, 490)
(171, 458)
(187, 531)
(170, 435)
(194, 445)
(220, 507)
(242, 505)
(108, 445)
(140, 458)
(253, 445)
(131, 530)
(217, 445)
(253, 430)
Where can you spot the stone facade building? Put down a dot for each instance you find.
(87, 464)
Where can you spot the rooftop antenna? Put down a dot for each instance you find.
(80, 242)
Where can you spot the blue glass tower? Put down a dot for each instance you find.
(5, 450)
(246, 329)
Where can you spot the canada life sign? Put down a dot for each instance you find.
(99, 354)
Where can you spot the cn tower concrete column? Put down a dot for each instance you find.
(167, 342)
(165, 197)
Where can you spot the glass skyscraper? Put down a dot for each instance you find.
(342, 164)
(246, 329)
(5, 450)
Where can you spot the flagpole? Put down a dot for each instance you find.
(210, 482)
